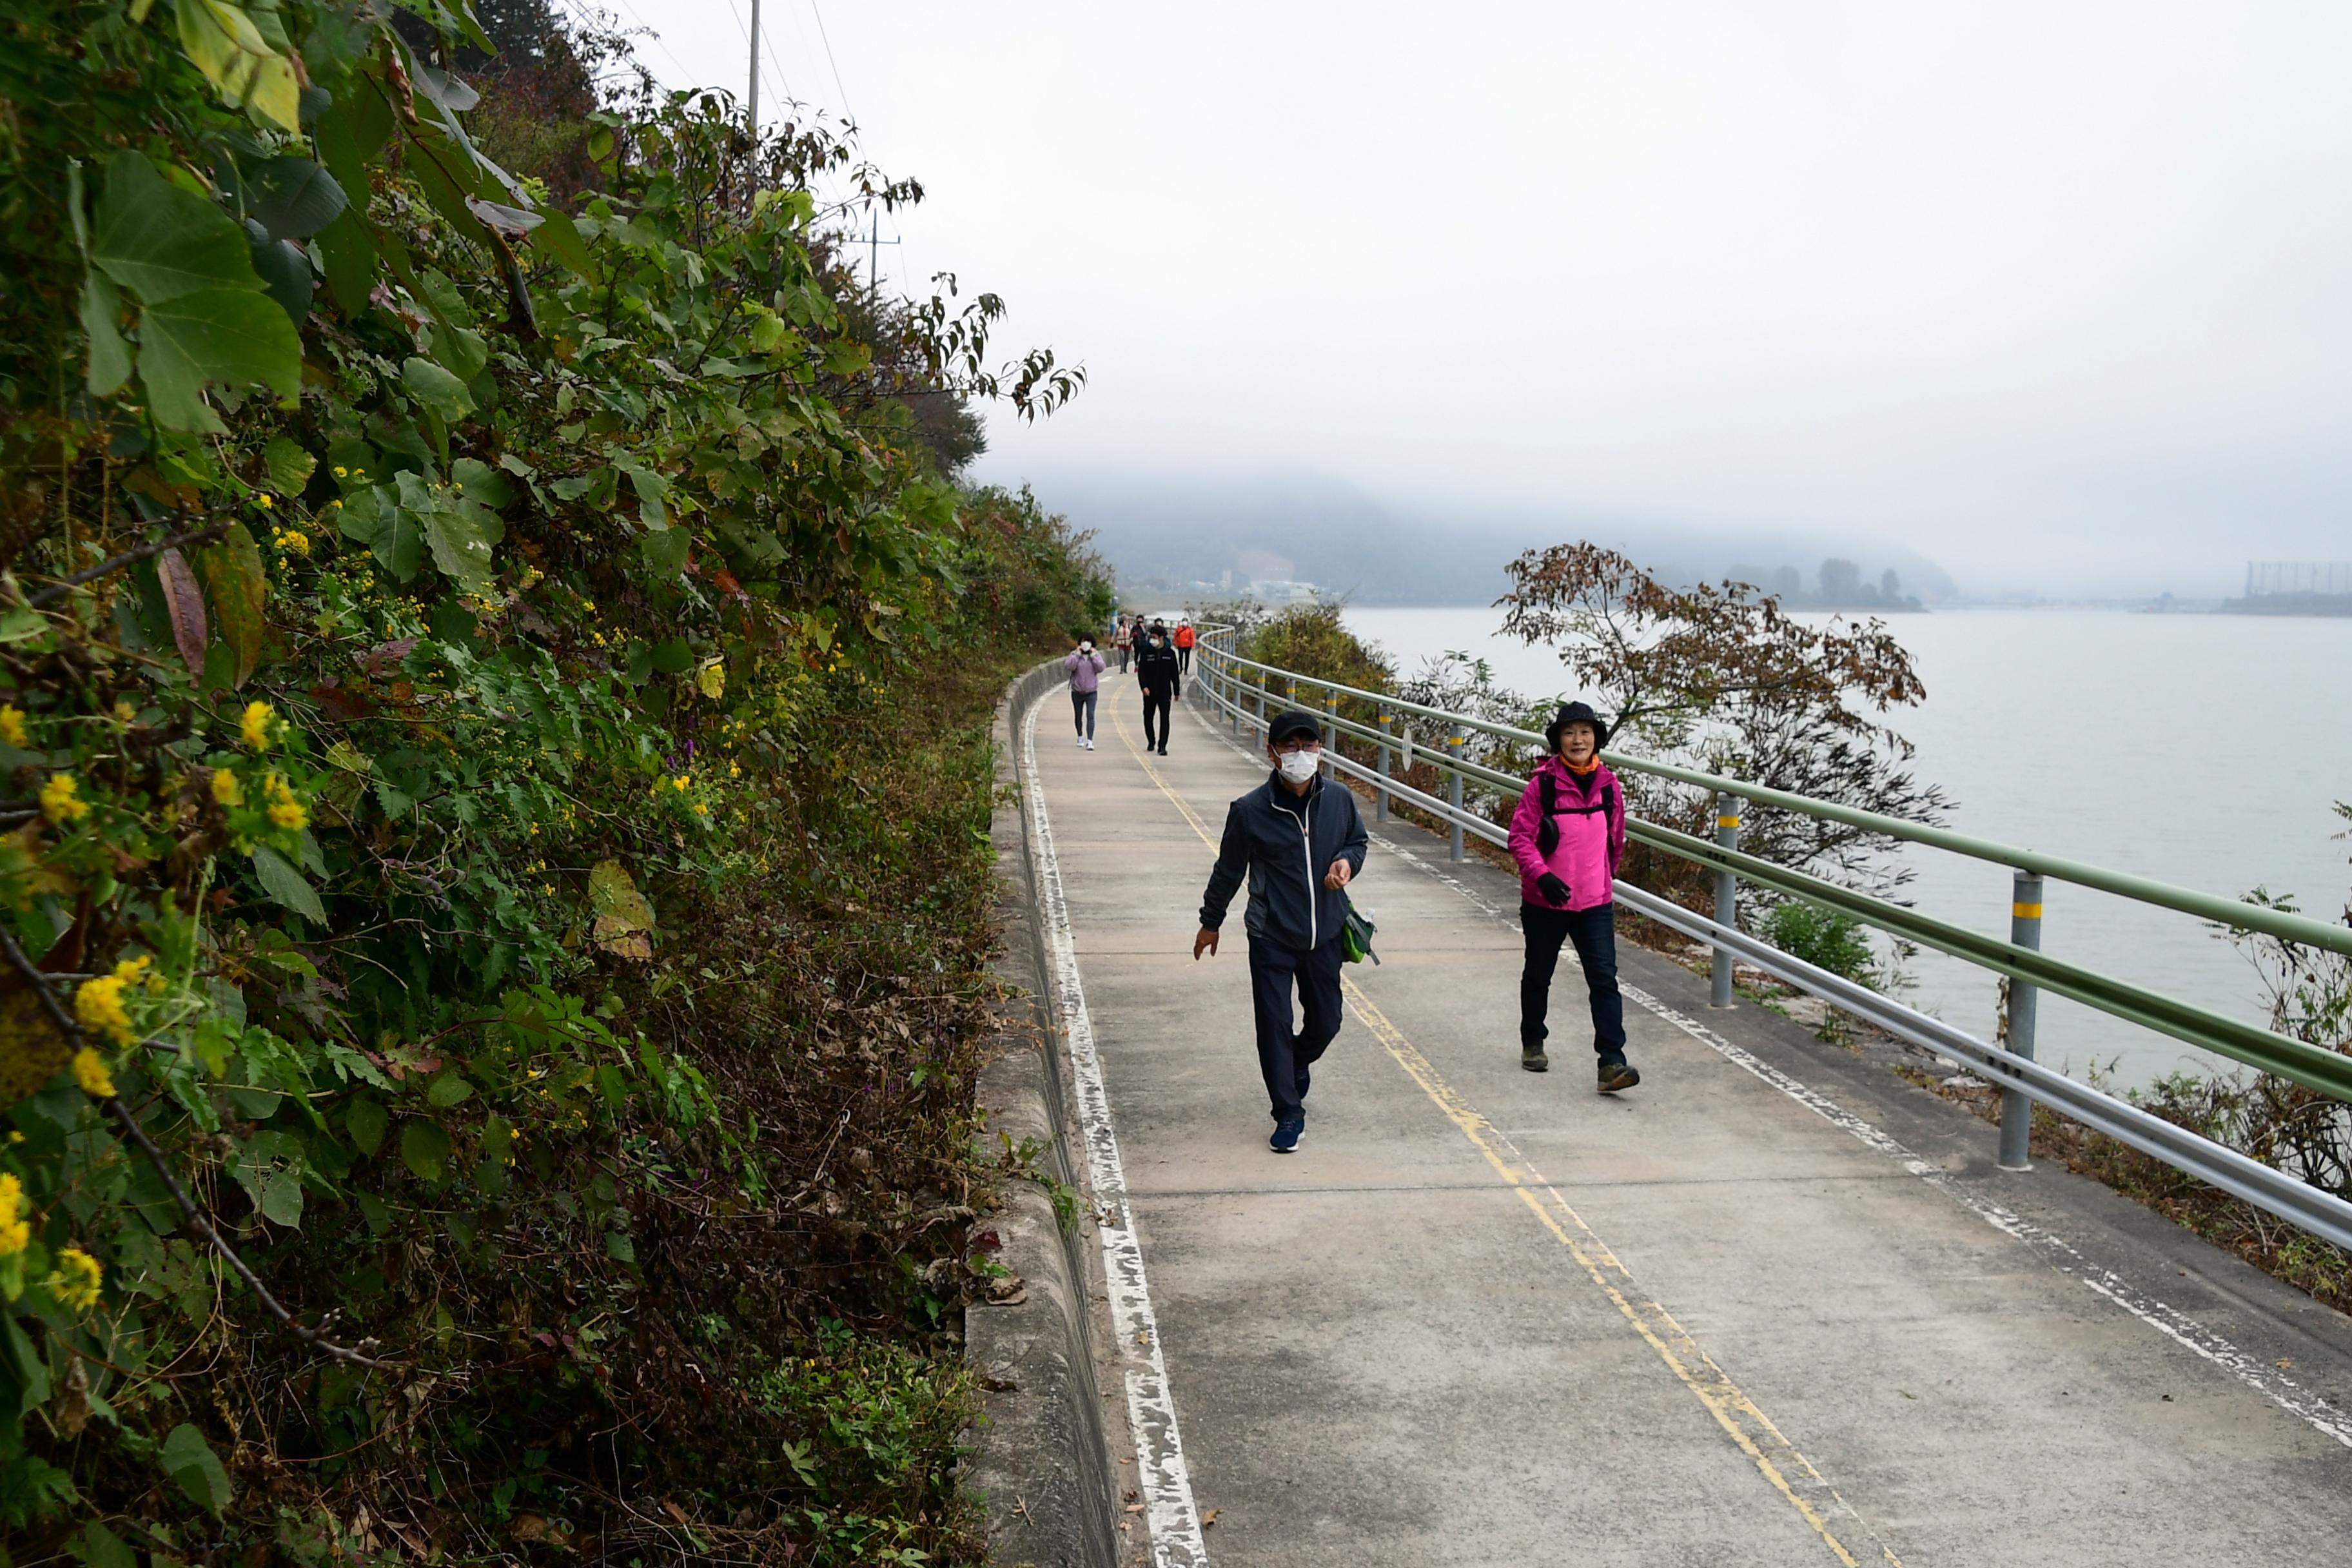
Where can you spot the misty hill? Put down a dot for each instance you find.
(1175, 532)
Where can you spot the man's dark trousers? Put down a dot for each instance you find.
(1156, 700)
(1284, 1055)
(1594, 931)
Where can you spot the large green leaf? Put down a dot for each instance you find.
(110, 356)
(188, 1459)
(424, 1149)
(161, 242)
(666, 550)
(289, 468)
(215, 335)
(559, 237)
(286, 885)
(366, 1120)
(285, 271)
(459, 549)
(347, 247)
(225, 44)
(435, 388)
(236, 585)
(294, 198)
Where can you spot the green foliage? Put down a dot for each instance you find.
(1314, 640)
(501, 787)
(1823, 938)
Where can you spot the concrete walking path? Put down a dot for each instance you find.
(1770, 1306)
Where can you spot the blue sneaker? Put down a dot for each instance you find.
(1287, 1134)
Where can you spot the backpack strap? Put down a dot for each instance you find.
(1547, 831)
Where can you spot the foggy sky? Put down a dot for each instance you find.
(2058, 293)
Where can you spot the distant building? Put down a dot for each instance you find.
(1284, 591)
(2294, 588)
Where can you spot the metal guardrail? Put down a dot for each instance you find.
(1247, 693)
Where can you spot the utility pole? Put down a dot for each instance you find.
(874, 250)
(754, 95)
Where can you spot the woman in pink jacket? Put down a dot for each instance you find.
(1568, 836)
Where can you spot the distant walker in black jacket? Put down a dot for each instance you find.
(1161, 673)
(1299, 840)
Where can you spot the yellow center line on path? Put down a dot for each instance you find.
(1775, 1458)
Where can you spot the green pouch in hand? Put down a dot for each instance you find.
(1356, 937)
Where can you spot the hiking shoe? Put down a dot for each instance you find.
(1533, 1060)
(1163, 751)
(1617, 1073)
(1287, 1134)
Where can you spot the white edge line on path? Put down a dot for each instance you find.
(1167, 1486)
(2054, 1250)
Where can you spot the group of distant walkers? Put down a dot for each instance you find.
(1300, 842)
(1162, 657)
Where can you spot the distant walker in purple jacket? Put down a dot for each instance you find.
(1569, 835)
(1085, 667)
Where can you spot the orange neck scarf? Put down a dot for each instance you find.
(1586, 770)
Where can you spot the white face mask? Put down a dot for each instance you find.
(1086, 647)
(1300, 766)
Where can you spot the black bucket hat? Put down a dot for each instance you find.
(1576, 713)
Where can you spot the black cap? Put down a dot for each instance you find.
(1294, 722)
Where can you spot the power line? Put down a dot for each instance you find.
(829, 60)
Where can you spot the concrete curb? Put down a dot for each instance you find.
(1041, 1460)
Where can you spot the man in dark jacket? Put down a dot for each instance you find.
(1300, 841)
(1158, 673)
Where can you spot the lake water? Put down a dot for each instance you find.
(2204, 751)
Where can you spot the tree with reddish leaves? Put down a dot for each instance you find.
(1718, 677)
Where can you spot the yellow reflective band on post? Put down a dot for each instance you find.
(2026, 912)
(1727, 822)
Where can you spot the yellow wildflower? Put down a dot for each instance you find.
(341, 472)
(62, 799)
(11, 724)
(256, 724)
(124, 711)
(131, 971)
(295, 540)
(99, 1004)
(89, 1069)
(15, 1230)
(225, 789)
(263, 500)
(284, 809)
(680, 782)
(76, 1280)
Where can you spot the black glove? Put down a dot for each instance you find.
(1554, 891)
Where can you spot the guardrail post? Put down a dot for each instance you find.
(2016, 1108)
(1727, 897)
(1454, 743)
(1381, 766)
(1330, 734)
(1261, 702)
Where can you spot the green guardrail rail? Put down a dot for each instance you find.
(2327, 1071)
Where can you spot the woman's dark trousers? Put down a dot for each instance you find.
(1594, 933)
(1082, 712)
(1156, 700)
(1284, 1054)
